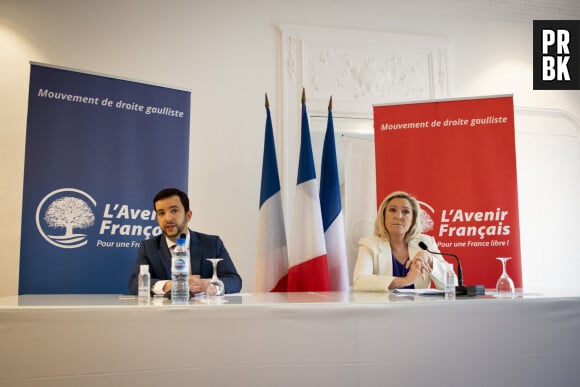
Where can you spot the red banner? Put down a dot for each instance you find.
(457, 157)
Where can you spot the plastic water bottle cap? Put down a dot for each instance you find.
(144, 268)
(180, 241)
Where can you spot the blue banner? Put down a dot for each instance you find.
(98, 149)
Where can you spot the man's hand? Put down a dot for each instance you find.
(197, 284)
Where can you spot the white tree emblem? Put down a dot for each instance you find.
(70, 213)
(425, 219)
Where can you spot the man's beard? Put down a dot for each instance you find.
(179, 229)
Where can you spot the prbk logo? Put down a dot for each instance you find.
(62, 214)
(557, 54)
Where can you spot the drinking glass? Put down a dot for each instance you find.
(505, 285)
(215, 288)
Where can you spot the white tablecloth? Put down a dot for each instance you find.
(290, 339)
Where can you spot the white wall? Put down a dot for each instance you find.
(228, 53)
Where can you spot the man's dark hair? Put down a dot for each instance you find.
(167, 192)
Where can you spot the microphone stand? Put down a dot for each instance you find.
(460, 289)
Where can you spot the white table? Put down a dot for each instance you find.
(290, 339)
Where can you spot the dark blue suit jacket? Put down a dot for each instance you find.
(155, 253)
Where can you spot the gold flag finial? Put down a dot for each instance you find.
(267, 102)
(303, 96)
(330, 104)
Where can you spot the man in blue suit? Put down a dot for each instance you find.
(173, 216)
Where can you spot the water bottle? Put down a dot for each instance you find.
(449, 278)
(144, 280)
(180, 273)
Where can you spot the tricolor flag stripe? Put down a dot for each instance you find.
(329, 182)
(308, 236)
(308, 267)
(271, 269)
(332, 215)
(270, 184)
(336, 255)
(307, 276)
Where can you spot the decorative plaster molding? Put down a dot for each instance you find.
(387, 68)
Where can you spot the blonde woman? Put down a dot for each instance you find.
(391, 258)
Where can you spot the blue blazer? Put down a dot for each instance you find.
(155, 253)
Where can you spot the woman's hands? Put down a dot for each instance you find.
(420, 265)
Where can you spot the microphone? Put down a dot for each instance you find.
(460, 289)
(423, 246)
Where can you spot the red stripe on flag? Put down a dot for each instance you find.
(282, 285)
(311, 275)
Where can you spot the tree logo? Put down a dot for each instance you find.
(68, 209)
(425, 216)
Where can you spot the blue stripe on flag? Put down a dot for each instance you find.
(330, 203)
(270, 177)
(306, 169)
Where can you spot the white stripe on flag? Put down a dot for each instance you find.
(336, 255)
(271, 254)
(307, 235)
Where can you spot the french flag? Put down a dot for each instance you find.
(308, 268)
(332, 215)
(271, 270)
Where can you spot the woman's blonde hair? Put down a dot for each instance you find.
(414, 230)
